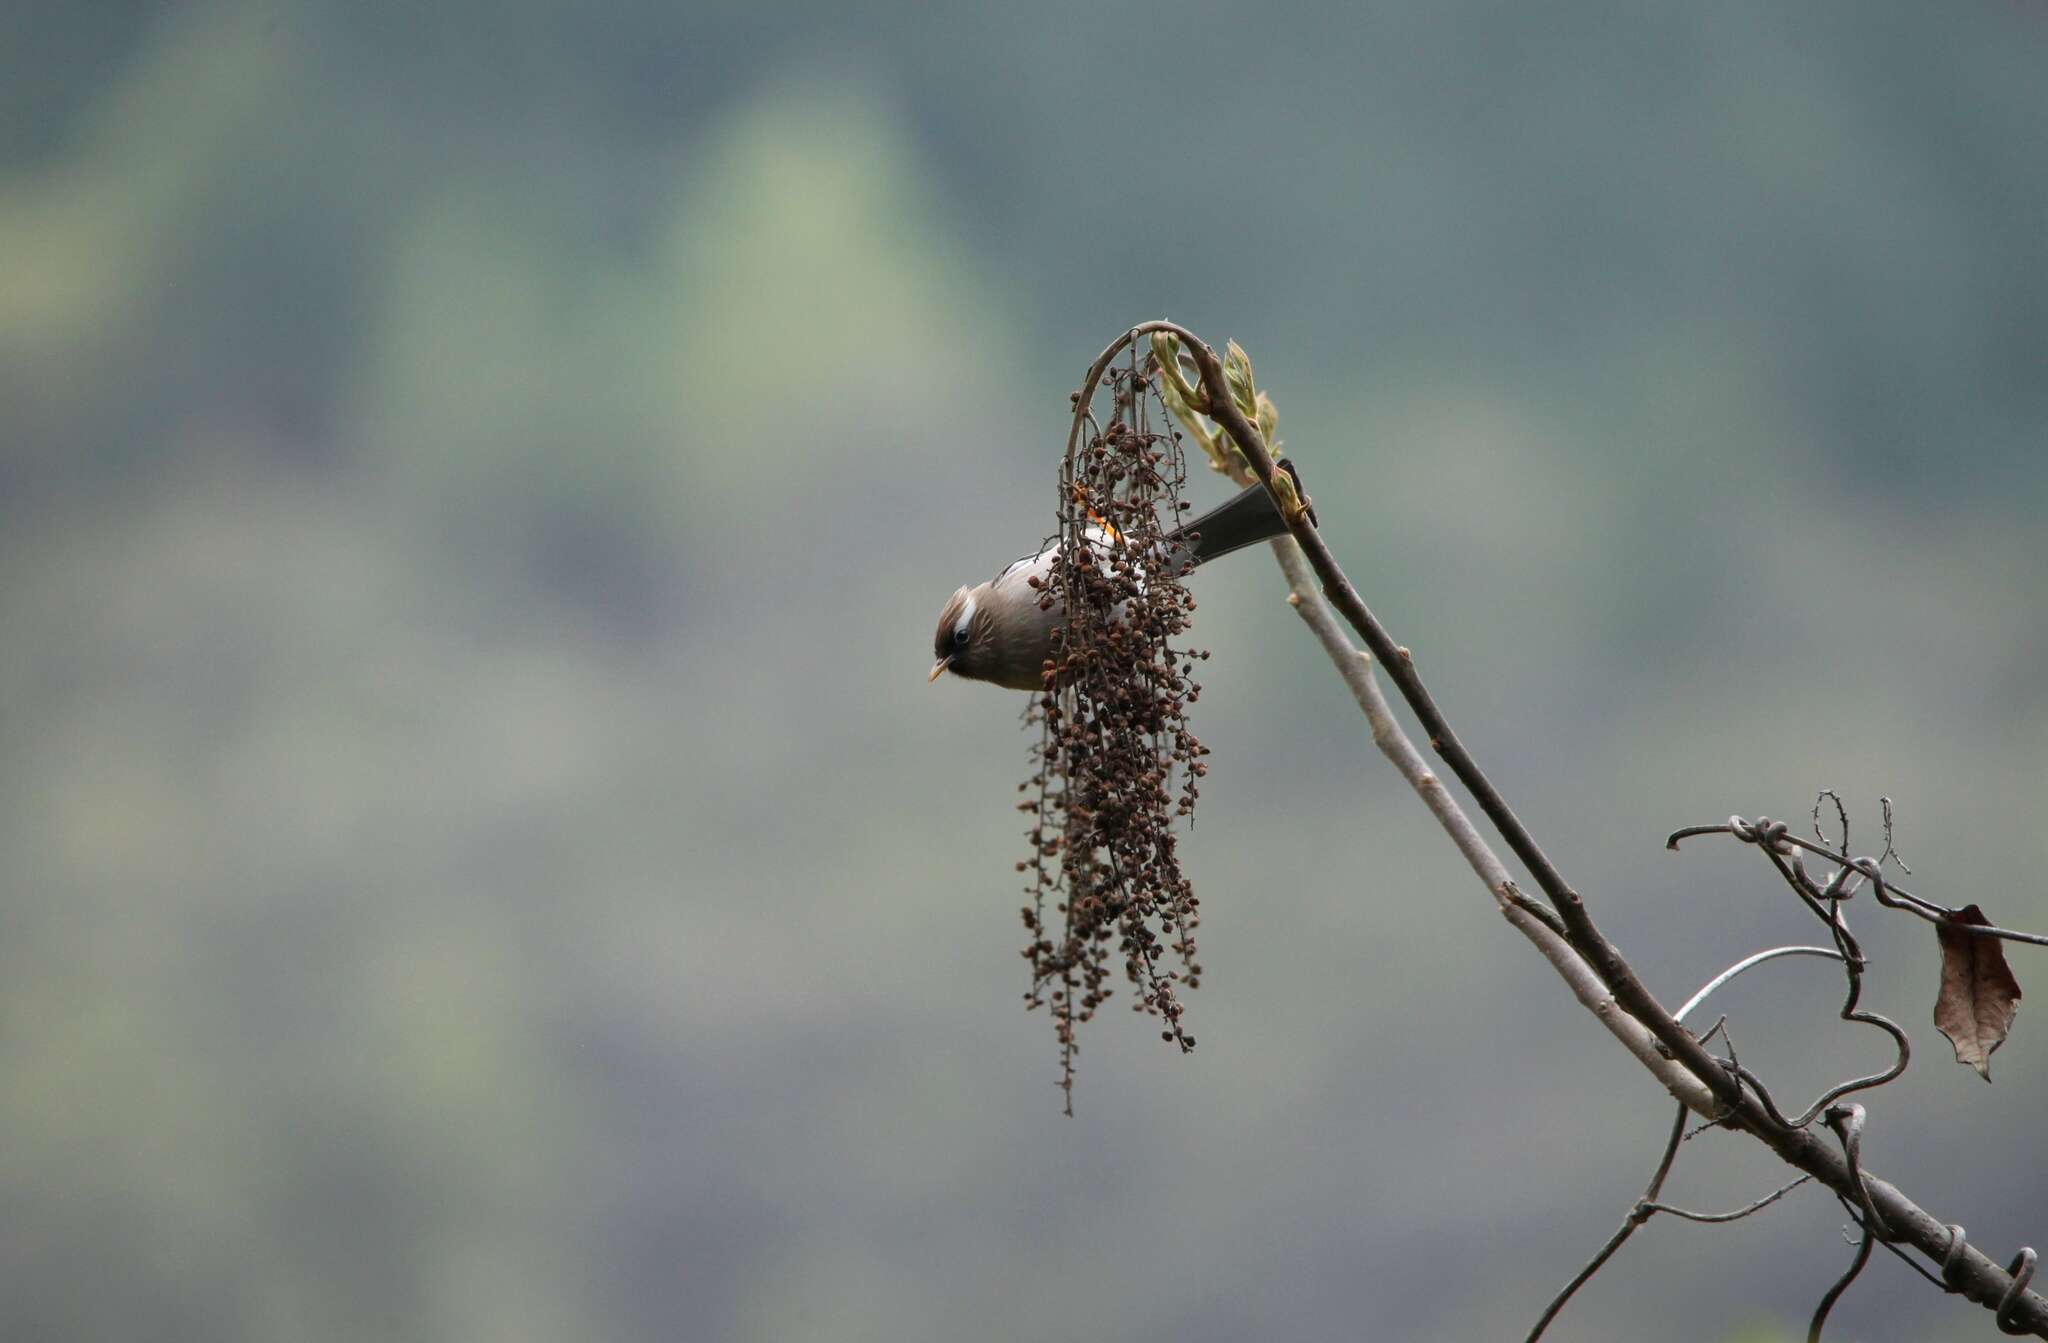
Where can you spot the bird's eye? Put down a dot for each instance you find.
(960, 635)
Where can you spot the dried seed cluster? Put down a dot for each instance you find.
(1115, 765)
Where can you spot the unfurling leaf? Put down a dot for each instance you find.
(1195, 426)
(1175, 391)
(1979, 996)
(1292, 505)
(1237, 371)
(1166, 353)
(1269, 426)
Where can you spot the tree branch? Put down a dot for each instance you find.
(1527, 917)
(1599, 975)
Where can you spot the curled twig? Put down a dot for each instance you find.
(1847, 1121)
(1772, 837)
(2021, 1270)
(1852, 964)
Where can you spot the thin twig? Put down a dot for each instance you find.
(1647, 1205)
(1637, 1215)
(1841, 812)
(1870, 869)
(1745, 964)
(1716, 1217)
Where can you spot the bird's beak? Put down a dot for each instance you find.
(938, 667)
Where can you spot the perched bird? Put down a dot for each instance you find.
(995, 631)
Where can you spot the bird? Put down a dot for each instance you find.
(997, 633)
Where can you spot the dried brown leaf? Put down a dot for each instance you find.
(1979, 997)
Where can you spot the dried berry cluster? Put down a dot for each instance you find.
(1116, 765)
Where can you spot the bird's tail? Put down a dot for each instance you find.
(1246, 520)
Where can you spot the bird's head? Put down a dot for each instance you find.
(962, 644)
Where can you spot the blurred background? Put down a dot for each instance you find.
(479, 857)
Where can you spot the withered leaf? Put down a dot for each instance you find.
(1979, 996)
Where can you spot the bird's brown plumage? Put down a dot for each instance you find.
(996, 631)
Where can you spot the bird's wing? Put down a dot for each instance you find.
(1100, 540)
(1041, 559)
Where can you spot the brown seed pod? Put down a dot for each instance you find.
(1115, 764)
